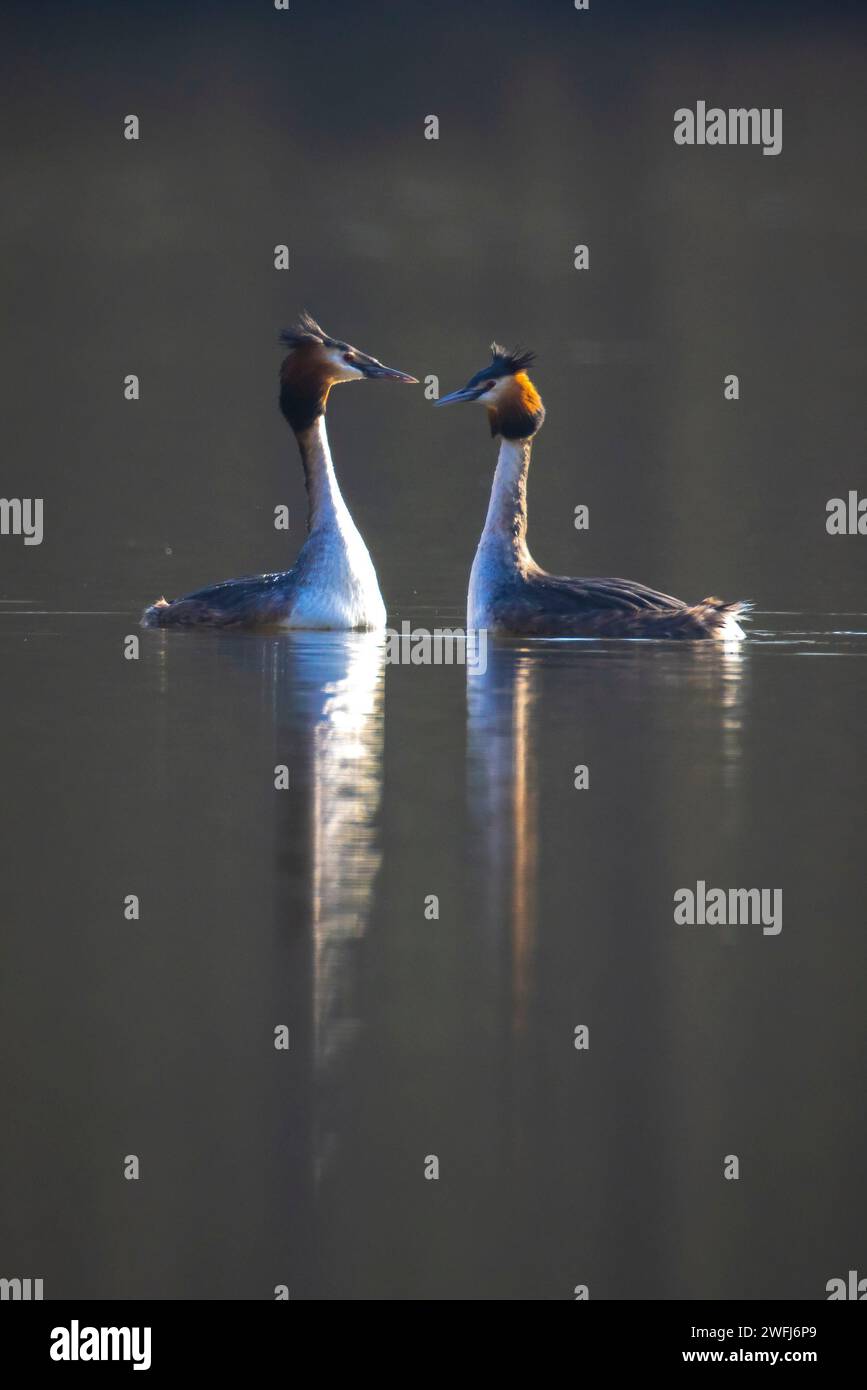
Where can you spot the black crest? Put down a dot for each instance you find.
(306, 330)
(505, 363)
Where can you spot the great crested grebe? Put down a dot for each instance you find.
(509, 592)
(332, 583)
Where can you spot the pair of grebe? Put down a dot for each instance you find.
(333, 583)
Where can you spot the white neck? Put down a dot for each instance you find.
(325, 504)
(335, 582)
(506, 522)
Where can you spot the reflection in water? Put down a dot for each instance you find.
(661, 728)
(345, 795)
(718, 670)
(321, 699)
(503, 804)
(503, 753)
(331, 698)
(297, 866)
(559, 1168)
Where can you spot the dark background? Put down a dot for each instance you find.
(156, 777)
(306, 128)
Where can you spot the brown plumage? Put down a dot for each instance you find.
(547, 605)
(518, 410)
(306, 377)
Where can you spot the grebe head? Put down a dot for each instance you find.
(514, 406)
(315, 362)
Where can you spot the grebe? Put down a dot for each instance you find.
(333, 583)
(509, 592)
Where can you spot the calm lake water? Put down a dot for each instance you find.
(412, 1037)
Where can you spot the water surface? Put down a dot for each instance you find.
(410, 1037)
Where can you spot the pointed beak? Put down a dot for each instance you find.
(375, 371)
(466, 393)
